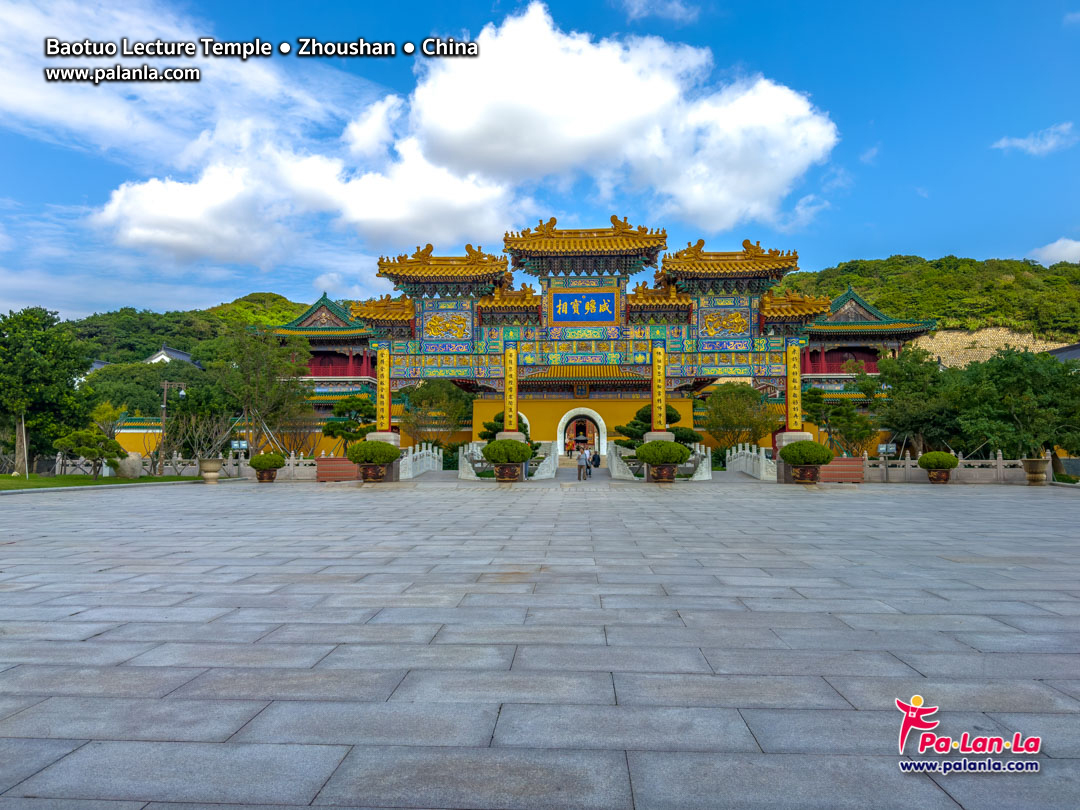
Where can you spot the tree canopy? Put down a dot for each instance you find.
(960, 293)
(434, 411)
(131, 335)
(261, 373)
(355, 419)
(738, 413)
(40, 365)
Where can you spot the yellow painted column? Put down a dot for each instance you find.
(382, 391)
(659, 390)
(794, 388)
(510, 406)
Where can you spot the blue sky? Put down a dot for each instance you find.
(841, 130)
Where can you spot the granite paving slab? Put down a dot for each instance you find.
(481, 778)
(184, 771)
(419, 656)
(20, 759)
(623, 727)
(695, 781)
(735, 691)
(292, 684)
(989, 694)
(451, 724)
(101, 718)
(179, 654)
(827, 731)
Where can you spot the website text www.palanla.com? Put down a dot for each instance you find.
(965, 765)
(120, 73)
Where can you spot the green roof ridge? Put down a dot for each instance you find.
(324, 301)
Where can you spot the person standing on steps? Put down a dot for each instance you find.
(582, 465)
(588, 463)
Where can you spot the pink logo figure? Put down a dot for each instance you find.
(915, 715)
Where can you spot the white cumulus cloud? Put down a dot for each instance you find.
(370, 133)
(1063, 250)
(637, 114)
(1043, 142)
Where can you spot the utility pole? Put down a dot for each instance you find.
(164, 405)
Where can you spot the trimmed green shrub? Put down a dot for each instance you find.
(806, 453)
(373, 452)
(507, 451)
(937, 461)
(267, 461)
(1065, 478)
(658, 452)
(684, 435)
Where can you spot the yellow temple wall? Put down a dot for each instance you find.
(544, 415)
(143, 442)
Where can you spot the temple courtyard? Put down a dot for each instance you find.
(599, 645)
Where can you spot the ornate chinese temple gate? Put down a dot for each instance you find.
(585, 341)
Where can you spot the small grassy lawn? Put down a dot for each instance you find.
(42, 482)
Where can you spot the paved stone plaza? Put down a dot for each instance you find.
(594, 646)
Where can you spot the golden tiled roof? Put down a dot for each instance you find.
(322, 331)
(665, 295)
(869, 326)
(421, 266)
(500, 299)
(621, 238)
(694, 260)
(791, 306)
(399, 309)
(608, 372)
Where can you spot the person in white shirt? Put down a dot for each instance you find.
(582, 465)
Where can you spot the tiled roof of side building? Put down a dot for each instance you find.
(401, 309)
(792, 306)
(694, 260)
(333, 308)
(422, 266)
(500, 299)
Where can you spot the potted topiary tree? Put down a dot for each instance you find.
(373, 456)
(806, 459)
(663, 458)
(507, 455)
(266, 466)
(937, 466)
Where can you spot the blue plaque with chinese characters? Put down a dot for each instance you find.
(583, 308)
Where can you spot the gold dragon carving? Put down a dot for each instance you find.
(733, 323)
(447, 326)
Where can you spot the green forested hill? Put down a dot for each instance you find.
(961, 293)
(129, 335)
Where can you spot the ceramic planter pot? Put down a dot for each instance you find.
(806, 473)
(507, 473)
(938, 476)
(663, 473)
(372, 473)
(265, 476)
(1036, 470)
(210, 469)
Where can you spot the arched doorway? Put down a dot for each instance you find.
(591, 419)
(581, 432)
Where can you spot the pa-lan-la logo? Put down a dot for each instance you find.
(916, 717)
